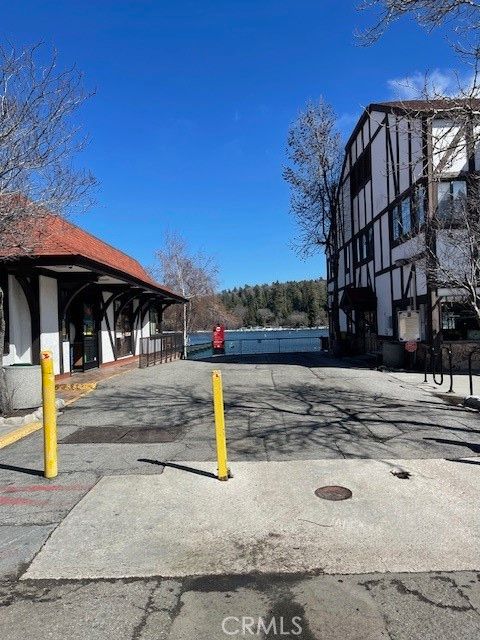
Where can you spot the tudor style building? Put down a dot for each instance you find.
(72, 293)
(404, 163)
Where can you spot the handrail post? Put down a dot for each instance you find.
(470, 355)
(450, 365)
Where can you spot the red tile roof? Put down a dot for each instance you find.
(55, 237)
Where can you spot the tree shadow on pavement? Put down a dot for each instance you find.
(180, 467)
(265, 420)
(470, 445)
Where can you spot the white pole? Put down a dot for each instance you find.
(185, 331)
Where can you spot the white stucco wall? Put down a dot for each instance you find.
(421, 279)
(49, 331)
(107, 351)
(403, 126)
(443, 135)
(384, 305)
(66, 356)
(379, 173)
(397, 283)
(409, 249)
(20, 325)
(137, 328)
(417, 149)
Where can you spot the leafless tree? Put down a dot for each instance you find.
(451, 238)
(315, 153)
(428, 13)
(194, 275)
(38, 139)
(453, 261)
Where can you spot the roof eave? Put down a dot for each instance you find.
(79, 260)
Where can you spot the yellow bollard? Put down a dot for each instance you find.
(49, 416)
(220, 425)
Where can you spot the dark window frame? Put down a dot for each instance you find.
(398, 235)
(347, 259)
(361, 172)
(155, 309)
(450, 217)
(364, 245)
(457, 320)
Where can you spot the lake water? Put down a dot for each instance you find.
(270, 341)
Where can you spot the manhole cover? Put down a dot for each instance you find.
(120, 435)
(333, 493)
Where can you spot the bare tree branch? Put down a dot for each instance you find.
(314, 149)
(39, 139)
(195, 275)
(428, 13)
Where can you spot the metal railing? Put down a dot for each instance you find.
(161, 348)
(250, 346)
(258, 346)
(473, 352)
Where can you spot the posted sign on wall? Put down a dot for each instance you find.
(408, 326)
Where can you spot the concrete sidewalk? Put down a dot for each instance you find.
(268, 519)
(461, 384)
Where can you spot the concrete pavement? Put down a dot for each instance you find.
(291, 419)
(277, 408)
(440, 606)
(267, 519)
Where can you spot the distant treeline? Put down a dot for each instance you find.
(285, 304)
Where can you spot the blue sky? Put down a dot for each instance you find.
(193, 103)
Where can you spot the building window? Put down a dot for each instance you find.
(420, 204)
(155, 318)
(406, 216)
(452, 197)
(403, 219)
(361, 172)
(397, 222)
(347, 258)
(459, 322)
(364, 245)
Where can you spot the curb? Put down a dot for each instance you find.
(18, 434)
(77, 386)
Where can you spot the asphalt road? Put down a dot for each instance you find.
(280, 408)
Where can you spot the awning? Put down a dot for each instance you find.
(358, 299)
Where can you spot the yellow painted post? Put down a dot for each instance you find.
(220, 425)
(49, 415)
